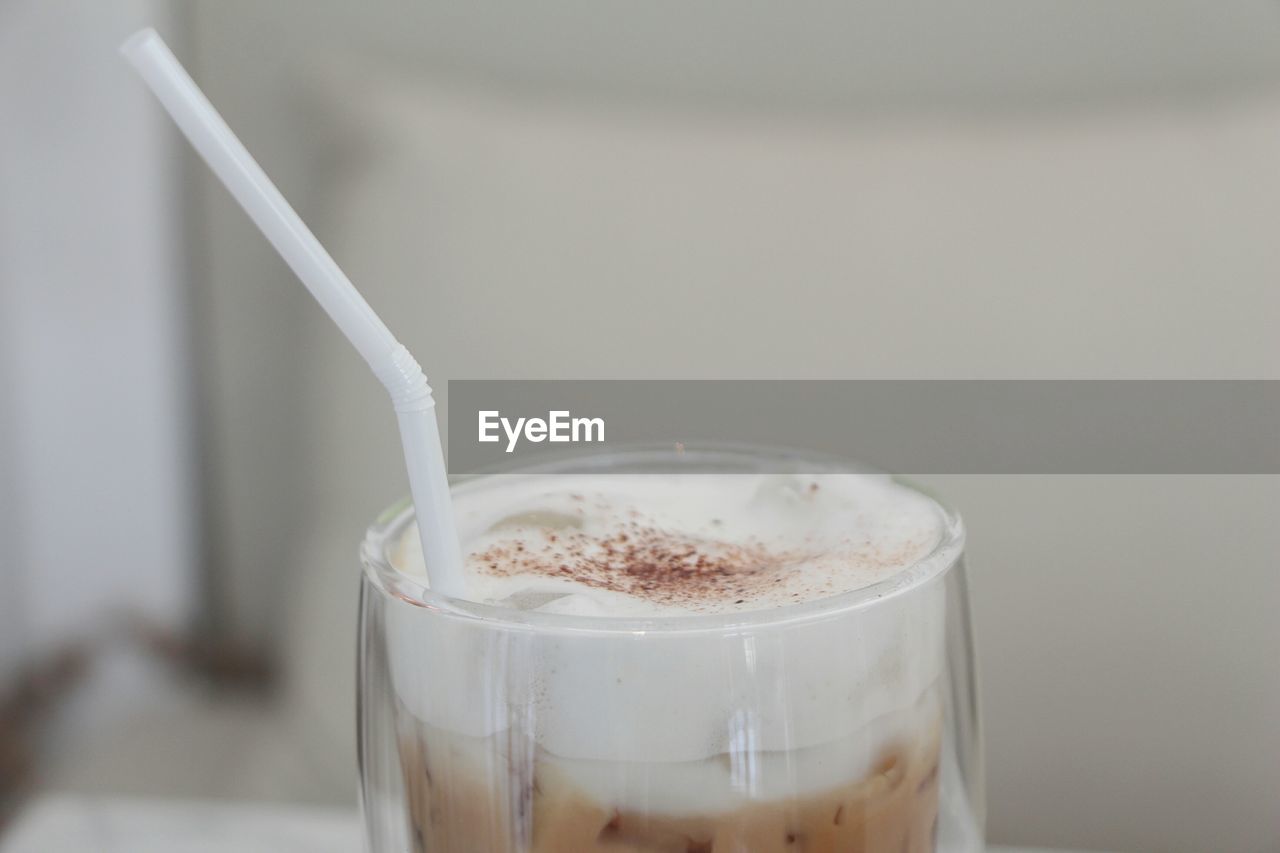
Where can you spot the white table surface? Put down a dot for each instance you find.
(76, 824)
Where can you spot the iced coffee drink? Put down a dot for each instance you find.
(739, 660)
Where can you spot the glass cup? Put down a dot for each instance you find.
(843, 724)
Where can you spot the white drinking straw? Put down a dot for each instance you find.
(390, 361)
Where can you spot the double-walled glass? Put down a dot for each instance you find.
(845, 724)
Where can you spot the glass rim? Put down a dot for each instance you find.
(392, 522)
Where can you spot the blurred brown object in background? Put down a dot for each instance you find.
(26, 709)
(30, 703)
(223, 664)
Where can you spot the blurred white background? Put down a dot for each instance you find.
(1021, 189)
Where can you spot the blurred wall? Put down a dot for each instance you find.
(1023, 191)
(96, 455)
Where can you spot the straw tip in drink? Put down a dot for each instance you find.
(138, 40)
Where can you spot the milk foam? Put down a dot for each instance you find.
(824, 696)
(569, 544)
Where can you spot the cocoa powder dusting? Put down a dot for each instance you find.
(665, 567)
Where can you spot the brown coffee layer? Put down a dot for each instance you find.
(453, 809)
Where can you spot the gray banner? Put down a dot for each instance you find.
(907, 427)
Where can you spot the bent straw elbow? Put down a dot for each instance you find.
(405, 381)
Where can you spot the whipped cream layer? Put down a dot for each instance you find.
(833, 690)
